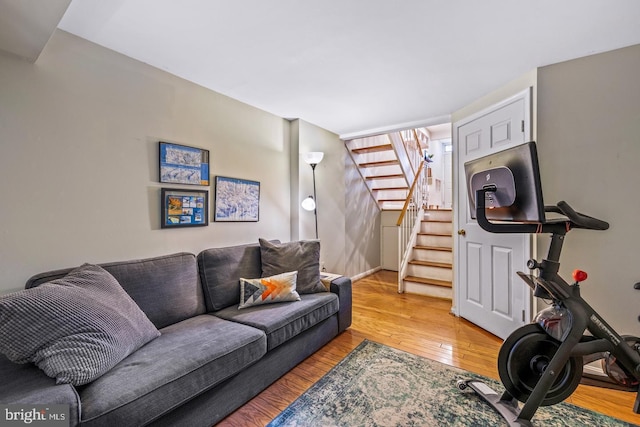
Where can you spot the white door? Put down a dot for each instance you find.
(488, 291)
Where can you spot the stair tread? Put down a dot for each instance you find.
(437, 220)
(379, 163)
(391, 200)
(389, 188)
(431, 263)
(435, 234)
(427, 281)
(434, 248)
(372, 149)
(398, 175)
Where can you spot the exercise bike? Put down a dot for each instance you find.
(541, 363)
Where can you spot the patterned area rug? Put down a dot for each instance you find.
(376, 385)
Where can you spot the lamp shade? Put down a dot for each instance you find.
(308, 204)
(313, 157)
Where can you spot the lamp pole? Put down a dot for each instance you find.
(315, 198)
(311, 202)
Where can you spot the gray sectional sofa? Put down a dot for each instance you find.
(209, 357)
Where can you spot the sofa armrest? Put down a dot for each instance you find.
(26, 384)
(342, 287)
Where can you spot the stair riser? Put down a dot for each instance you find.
(379, 183)
(391, 194)
(436, 227)
(430, 272)
(382, 170)
(431, 255)
(391, 206)
(439, 215)
(428, 290)
(439, 241)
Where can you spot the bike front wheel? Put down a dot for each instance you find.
(523, 358)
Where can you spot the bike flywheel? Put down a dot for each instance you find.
(524, 357)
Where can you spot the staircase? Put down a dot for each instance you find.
(380, 168)
(389, 165)
(430, 269)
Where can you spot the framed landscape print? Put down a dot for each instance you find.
(237, 200)
(180, 164)
(184, 208)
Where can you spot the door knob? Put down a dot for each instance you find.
(462, 232)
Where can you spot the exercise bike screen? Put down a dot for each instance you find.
(516, 175)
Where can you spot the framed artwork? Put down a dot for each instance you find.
(237, 200)
(184, 208)
(180, 164)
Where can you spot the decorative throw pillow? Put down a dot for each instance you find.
(266, 290)
(302, 256)
(74, 328)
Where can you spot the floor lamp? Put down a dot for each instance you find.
(311, 202)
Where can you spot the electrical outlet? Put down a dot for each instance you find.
(322, 268)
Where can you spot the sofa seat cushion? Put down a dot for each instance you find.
(285, 320)
(188, 358)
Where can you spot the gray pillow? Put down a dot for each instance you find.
(75, 328)
(302, 256)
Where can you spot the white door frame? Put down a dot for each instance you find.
(457, 186)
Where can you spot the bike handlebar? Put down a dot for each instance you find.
(577, 219)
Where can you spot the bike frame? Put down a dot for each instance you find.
(549, 285)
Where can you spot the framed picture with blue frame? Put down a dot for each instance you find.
(181, 164)
(184, 208)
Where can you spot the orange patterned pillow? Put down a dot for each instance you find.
(266, 290)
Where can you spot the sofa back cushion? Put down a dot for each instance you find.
(75, 328)
(302, 256)
(220, 272)
(166, 288)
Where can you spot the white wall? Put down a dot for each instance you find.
(589, 149)
(79, 159)
(79, 133)
(436, 196)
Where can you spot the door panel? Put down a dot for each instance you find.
(501, 268)
(474, 272)
(490, 294)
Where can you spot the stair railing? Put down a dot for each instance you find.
(410, 219)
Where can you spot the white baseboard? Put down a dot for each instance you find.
(365, 274)
(595, 368)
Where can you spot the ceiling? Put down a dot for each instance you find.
(350, 66)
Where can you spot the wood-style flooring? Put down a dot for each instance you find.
(416, 324)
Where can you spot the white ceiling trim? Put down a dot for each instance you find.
(396, 128)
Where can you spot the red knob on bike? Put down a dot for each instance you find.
(579, 275)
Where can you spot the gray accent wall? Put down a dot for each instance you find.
(589, 149)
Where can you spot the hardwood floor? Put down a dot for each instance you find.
(416, 324)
